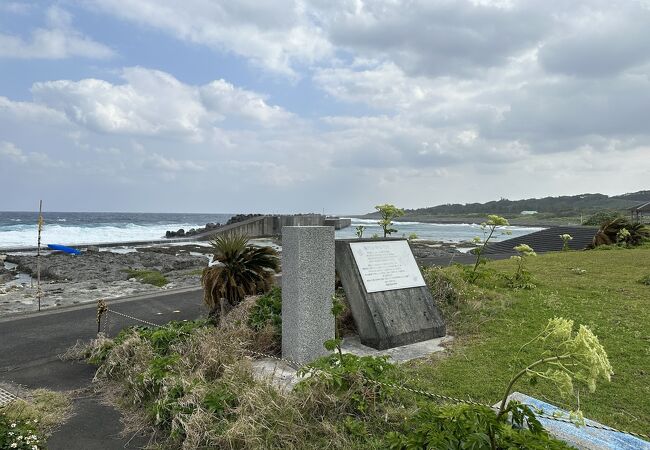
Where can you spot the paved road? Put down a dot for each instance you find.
(30, 345)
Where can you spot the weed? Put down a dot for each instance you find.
(152, 277)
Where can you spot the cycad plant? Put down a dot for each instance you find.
(241, 270)
(621, 231)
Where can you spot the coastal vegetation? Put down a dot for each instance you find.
(196, 384)
(566, 238)
(388, 213)
(26, 424)
(622, 232)
(241, 270)
(152, 277)
(488, 317)
(586, 209)
(488, 228)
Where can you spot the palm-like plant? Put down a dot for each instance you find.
(611, 232)
(242, 270)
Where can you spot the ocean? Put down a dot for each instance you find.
(445, 232)
(19, 229)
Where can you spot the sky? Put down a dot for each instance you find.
(319, 105)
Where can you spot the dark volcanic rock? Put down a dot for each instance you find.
(104, 266)
(432, 249)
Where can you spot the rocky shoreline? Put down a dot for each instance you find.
(94, 275)
(109, 272)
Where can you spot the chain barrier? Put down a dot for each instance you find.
(297, 365)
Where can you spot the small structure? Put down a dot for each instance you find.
(307, 291)
(528, 213)
(337, 222)
(388, 297)
(640, 213)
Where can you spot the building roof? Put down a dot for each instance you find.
(642, 207)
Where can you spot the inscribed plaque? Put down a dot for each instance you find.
(386, 265)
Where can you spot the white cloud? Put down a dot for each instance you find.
(57, 41)
(225, 99)
(10, 152)
(275, 35)
(154, 103)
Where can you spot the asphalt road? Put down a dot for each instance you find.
(30, 345)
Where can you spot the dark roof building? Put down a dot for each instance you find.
(640, 212)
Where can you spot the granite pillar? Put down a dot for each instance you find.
(307, 290)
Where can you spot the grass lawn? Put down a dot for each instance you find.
(491, 328)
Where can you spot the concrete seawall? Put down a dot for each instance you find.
(264, 226)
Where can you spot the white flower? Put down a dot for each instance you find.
(14, 445)
(35, 420)
(34, 447)
(13, 425)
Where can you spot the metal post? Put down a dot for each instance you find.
(38, 254)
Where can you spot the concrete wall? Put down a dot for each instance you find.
(337, 222)
(264, 226)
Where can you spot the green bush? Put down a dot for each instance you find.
(351, 377)
(464, 426)
(601, 217)
(645, 280)
(267, 310)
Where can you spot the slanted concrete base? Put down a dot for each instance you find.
(583, 438)
(402, 353)
(284, 377)
(277, 373)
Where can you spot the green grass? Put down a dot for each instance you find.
(605, 294)
(152, 277)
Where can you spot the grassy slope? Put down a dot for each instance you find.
(608, 298)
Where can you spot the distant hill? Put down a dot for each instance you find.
(548, 208)
(641, 196)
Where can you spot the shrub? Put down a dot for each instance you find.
(267, 310)
(464, 426)
(601, 217)
(347, 377)
(442, 287)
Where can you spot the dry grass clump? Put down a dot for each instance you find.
(50, 408)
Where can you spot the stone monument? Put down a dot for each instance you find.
(390, 302)
(307, 290)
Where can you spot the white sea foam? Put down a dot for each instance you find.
(26, 235)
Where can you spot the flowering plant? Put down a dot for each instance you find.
(18, 433)
(565, 241)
